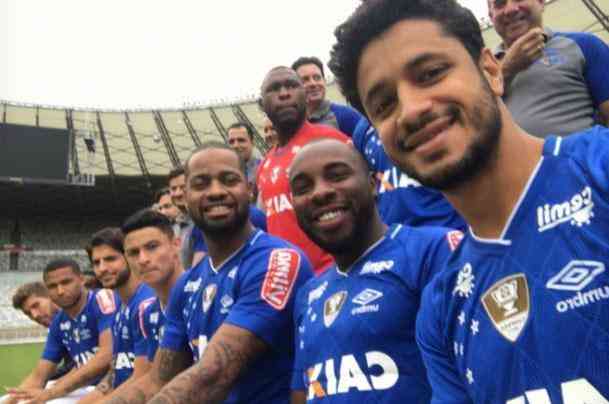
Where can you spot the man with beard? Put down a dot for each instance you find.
(366, 304)
(232, 313)
(283, 101)
(80, 328)
(152, 252)
(129, 360)
(536, 254)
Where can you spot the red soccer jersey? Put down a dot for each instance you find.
(274, 189)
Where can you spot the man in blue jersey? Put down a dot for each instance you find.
(129, 360)
(355, 322)
(231, 314)
(400, 198)
(153, 252)
(520, 314)
(81, 328)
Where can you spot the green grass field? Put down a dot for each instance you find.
(16, 361)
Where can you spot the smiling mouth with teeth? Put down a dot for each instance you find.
(329, 215)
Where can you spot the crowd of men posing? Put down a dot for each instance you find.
(434, 251)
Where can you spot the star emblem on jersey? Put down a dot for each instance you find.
(507, 304)
(332, 307)
(208, 296)
(465, 281)
(475, 327)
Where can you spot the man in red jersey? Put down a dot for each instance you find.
(284, 102)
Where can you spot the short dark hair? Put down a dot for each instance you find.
(373, 17)
(109, 236)
(214, 144)
(160, 193)
(61, 263)
(26, 290)
(247, 126)
(309, 60)
(147, 218)
(174, 173)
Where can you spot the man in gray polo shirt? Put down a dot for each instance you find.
(556, 83)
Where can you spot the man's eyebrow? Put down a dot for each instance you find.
(412, 64)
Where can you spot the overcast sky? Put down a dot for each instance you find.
(138, 54)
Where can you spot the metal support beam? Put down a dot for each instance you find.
(191, 129)
(166, 138)
(218, 124)
(600, 15)
(138, 151)
(73, 153)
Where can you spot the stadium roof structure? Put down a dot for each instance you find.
(135, 149)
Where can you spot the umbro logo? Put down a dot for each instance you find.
(576, 275)
(364, 299)
(577, 211)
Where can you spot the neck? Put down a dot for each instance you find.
(222, 247)
(487, 201)
(313, 106)
(284, 135)
(364, 240)
(77, 308)
(163, 290)
(128, 289)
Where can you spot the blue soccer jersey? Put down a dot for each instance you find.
(402, 199)
(127, 339)
(525, 318)
(356, 340)
(253, 289)
(79, 336)
(152, 325)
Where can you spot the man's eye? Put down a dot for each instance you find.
(432, 74)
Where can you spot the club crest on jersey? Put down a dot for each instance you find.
(280, 278)
(454, 239)
(507, 304)
(577, 211)
(465, 281)
(208, 296)
(332, 306)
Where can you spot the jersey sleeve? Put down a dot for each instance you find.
(446, 385)
(267, 292)
(347, 118)
(596, 55)
(54, 350)
(106, 304)
(297, 382)
(590, 151)
(258, 218)
(140, 342)
(175, 336)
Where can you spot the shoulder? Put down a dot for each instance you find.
(424, 237)
(344, 111)
(583, 39)
(106, 301)
(316, 131)
(580, 145)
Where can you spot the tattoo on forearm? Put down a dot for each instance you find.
(170, 364)
(211, 380)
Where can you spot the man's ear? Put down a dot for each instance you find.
(491, 70)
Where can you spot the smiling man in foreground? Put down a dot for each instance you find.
(536, 255)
